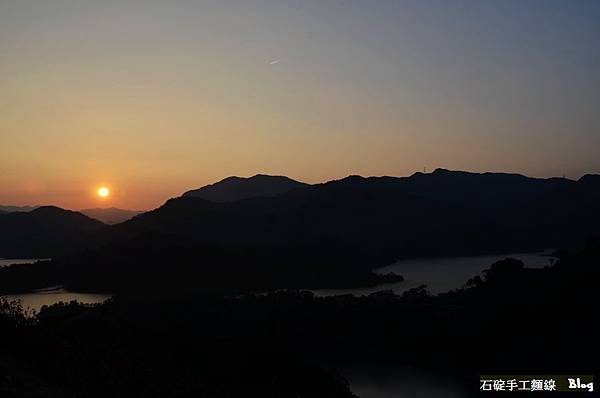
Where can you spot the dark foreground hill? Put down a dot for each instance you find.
(236, 188)
(289, 344)
(40, 232)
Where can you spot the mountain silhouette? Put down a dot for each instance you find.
(110, 215)
(236, 188)
(442, 213)
(482, 189)
(331, 234)
(40, 232)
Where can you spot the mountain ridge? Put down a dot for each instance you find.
(330, 234)
(235, 188)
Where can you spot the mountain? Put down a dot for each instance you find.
(110, 215)
(11, 209)
(331, 234)
(442, 213)
(236, 188)
(42, 232)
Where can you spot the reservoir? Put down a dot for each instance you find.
(441, 275)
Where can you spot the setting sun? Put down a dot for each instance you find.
(103, 192)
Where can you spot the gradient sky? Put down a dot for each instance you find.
(153, 98)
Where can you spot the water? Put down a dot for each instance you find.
(37, 299)
(440, 274)
(6, 262)
(52, 295)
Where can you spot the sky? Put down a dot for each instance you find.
(153, 98)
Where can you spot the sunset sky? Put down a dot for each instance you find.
(153, 98)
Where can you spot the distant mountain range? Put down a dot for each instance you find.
(322, 235)
(237, 188)
(11, 209)
(110, 215)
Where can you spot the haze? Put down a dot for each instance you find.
(155, 98)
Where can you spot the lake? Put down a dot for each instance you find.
(440, 274)
(37, 299)
(52, 295)
(6, 262)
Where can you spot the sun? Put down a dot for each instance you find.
(103, 192)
